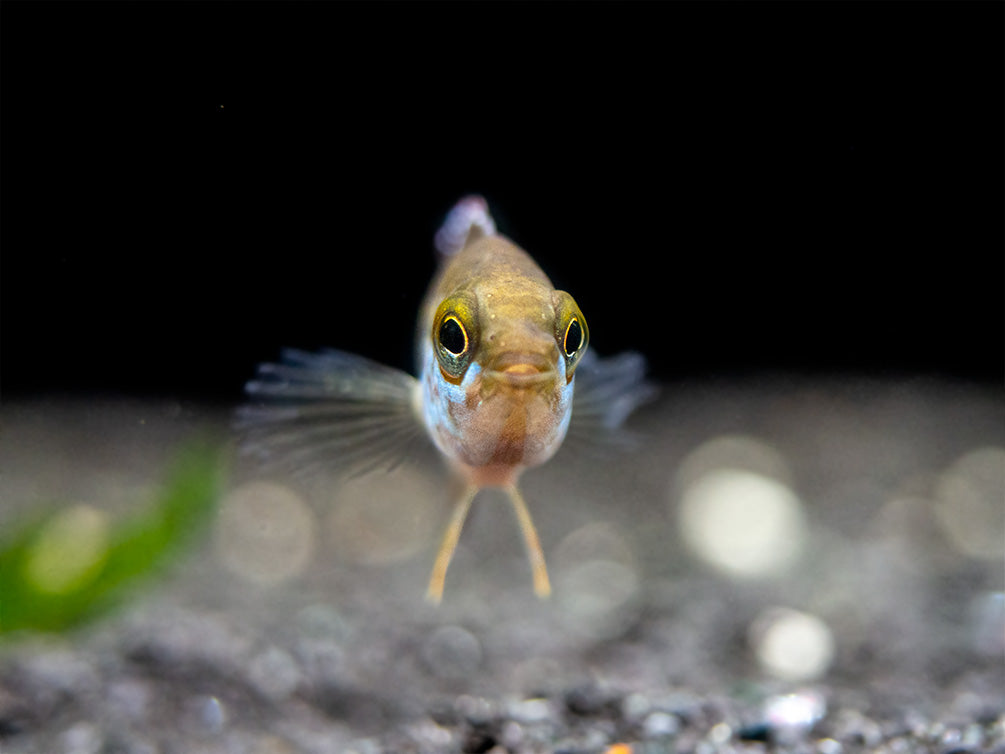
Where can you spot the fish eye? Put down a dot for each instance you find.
(452, 335)
(571, 331)
(455, 335)
(573, 337)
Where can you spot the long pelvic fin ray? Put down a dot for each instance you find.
(451, 536)
(542, 586)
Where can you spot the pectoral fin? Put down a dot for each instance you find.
(329, 409)
(607, 391)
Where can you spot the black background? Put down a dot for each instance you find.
(731, 189)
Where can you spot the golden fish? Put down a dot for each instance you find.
(498, 351)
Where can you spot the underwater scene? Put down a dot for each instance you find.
(502, 378)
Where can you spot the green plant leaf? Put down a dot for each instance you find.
(74, 563)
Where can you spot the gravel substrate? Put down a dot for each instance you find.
(859, 608)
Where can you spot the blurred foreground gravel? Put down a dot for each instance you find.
(781, 566)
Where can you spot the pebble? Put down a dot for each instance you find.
(660, 725)
(720, 733)
(274, 674)
(530, 711)
(452, 652)
(81, 738)
(475, 710)
(207, 714)
(60, 671)
(829, 746)
(135, 745)
(591, 699)
(635, 707)
(511, 735)
(789, 717)
(129, 699)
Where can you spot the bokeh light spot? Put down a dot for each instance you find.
(266, 533)
(452, 652)
(384, 519)
(792, 645)
(971, 503)
(742, 523)
(598, 580)
(733, 452)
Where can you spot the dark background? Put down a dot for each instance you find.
(732, 189)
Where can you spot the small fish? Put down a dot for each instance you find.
(499, 351)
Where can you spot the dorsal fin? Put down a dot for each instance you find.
(467, 221)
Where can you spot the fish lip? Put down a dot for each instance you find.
(520, 369)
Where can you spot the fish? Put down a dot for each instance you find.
(504, 376)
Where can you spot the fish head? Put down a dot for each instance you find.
(500, 376)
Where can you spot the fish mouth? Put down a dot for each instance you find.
(520, 369)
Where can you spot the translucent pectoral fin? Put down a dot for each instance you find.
(607, 391)
(331, 410)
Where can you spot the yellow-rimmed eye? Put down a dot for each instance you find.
(574, 337)
(571, 331)
(455, 335)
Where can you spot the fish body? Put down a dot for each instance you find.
(497, 350)
(508, 407)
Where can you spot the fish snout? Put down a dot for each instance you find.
(521, 368)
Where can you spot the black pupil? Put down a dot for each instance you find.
(452, 336)
(573, 337)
